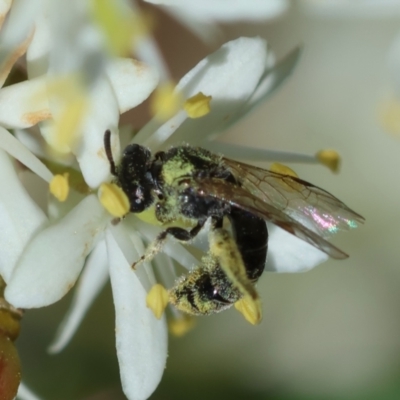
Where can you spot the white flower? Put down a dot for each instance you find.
(76, 89)
(238, 76)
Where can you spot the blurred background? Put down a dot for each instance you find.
(332, 333)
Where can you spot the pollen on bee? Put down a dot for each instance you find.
(181, 326)
(282, 169)
(329, 158)
(197, 106)
(250, 309)
(59, 186)
(157, 300)
(114, 199)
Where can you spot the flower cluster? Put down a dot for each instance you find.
(79, 79)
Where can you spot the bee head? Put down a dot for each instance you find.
(205, 290)
(135, 178)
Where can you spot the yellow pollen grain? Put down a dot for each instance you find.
(329, 158)
(165, 101)
(181, 326)
(59, 186)
(282, 169)
(197, 106)
(114, 199)
(157, 300)
(250, 309)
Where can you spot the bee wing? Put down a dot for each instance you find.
(309, 205)
(241, 198)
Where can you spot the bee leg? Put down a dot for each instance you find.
(225, 249)
(178, 233)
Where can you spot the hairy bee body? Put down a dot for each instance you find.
(186, 186)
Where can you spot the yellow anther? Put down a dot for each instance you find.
(329, 158)
(157, 300)
(165, 101)
(197, 106)
(282, 169)
(114, 199)
(181, 326)
(59, 187)
(389, 116)
(120, 25)
(250, 309)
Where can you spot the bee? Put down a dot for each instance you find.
(187, 186)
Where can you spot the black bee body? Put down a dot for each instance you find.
(167, 182)
(186, 186)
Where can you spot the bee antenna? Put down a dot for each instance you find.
(107, 148)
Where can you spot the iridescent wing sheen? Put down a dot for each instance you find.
(294, 205)
(311, 206)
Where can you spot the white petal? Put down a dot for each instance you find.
(19, 215)
(20, 22)
(4, 7)
(53, 259)
(172, 248)
(272, 79)
(16, 149)
(90, 151)
(147, 50)
(24, 393)
(141, 339)
(128, 248)
(91, 282)
(37, 56)
(16, 34)
(8, 60)
(132, 82)
(231, 10)
(23, 105)
(287, 253)
(103, 115)
(230, 76)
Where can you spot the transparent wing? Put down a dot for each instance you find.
(309, 205)
(241, 198)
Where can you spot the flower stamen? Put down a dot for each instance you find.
(157, 300)
(166, 101)
(282, 169)
(198, 105)
(329, 158)
(181, 326)
(59, 187)
(114, 199)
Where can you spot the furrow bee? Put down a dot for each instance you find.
(187, 186)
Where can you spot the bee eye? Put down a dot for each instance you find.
(209, 290)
